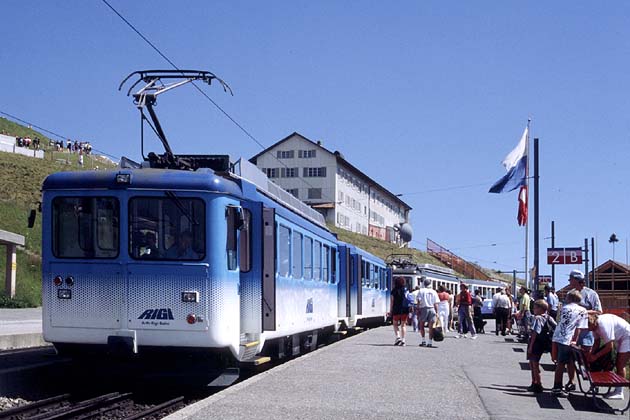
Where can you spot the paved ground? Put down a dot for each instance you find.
(366, 377)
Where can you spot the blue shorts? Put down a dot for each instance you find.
(586, 338)
(564, 353)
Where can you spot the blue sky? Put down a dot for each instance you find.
(422, 96)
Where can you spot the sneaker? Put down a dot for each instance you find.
(569, 387)
(402, 344)
(398, 341)
(473, 337)
(531, 388)
(614, 394)
(429, 345)
(538, 389)
(559, 392)
(423, 344)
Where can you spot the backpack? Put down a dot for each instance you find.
(545, 337)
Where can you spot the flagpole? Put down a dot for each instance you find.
(527, 276)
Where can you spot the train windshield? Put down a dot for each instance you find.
(85, 227)
(169, 228)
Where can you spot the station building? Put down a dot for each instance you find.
(345, 195)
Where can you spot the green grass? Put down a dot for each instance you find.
(21, 178)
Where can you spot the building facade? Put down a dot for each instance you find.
(346, 196)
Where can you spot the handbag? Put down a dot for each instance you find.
(438, 332)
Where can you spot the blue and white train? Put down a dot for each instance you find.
(206, 259)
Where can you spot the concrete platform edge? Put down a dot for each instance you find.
(21, 341)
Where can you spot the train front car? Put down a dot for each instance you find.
(135, 258)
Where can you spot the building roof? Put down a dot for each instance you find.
(340, 159)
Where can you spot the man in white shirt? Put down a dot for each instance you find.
(427, 301)
(501, 308)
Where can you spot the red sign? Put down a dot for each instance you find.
(544, 279)
(564, 255)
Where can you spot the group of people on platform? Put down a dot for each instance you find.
(544, 324)
(434, 309)
(580, 323)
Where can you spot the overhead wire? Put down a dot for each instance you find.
(247, 133)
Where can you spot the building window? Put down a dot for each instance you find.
(285, 154)
(305, 154)
(315, 172)
(314, 193)
(289, 172)
(293, 192)
(272, 172)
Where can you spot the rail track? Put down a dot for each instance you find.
(114, 405)
(92, 388)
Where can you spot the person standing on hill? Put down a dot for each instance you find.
(398, 310)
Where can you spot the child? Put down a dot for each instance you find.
(573, 319)
(539, 342)
(609, 329)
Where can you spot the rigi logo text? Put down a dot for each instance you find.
(164, 313)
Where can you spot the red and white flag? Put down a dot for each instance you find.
(522, 206)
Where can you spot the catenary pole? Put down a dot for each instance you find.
(536, 215)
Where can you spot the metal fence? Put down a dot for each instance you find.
(460, 265)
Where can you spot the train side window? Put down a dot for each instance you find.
(308, 258)
(234, 223)
(297, 255)
(326, 264)
(317, 260)
(333, 266)
(284, 251)
(245, 243)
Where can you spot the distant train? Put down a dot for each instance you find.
(196, 252)
(403, 265)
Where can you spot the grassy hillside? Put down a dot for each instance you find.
(382, 248)
(21, 178)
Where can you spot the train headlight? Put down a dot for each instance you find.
(191, 319)
(57, 281)
(190, 297)
(64, 294)
(70, 281)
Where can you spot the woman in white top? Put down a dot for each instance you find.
(443, 308)
(609, 329)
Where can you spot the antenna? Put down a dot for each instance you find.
(146, 97)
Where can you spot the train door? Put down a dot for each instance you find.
(343, 288)
(269, 270)
(355, 285)
(250, 264)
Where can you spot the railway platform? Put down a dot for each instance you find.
(366, 377)
(21, 328)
